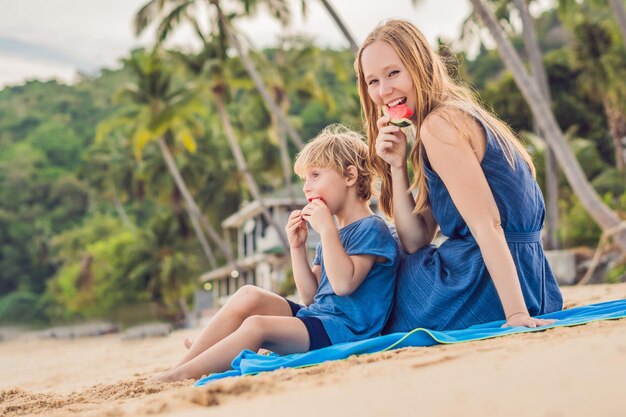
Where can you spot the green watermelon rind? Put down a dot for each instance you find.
(398, 122)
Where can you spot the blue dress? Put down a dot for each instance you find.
(449, 287)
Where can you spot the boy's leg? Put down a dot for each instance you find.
(247, 301)
(282, 335)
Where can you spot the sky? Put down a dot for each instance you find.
(53, 39)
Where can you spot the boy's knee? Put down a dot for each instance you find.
(247, 297)
(254, 325)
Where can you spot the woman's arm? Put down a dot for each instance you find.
(456, 163)
(414, 231)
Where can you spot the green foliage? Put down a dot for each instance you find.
(21, 307)
(588, 157)
(610, 181)
(88, 230)
(616, 274)
(96, 258)
(107, 267)
(288, 286)
(576, 227)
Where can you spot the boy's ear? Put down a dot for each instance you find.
(351, 175)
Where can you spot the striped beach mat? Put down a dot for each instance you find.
(250, 363)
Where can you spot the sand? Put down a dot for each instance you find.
(576, 371)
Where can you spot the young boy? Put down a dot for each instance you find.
(347, 293)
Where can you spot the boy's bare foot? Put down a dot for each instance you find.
(162, 377)
(188, 342)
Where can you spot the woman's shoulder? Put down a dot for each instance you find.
(446, 120)
(452, 126)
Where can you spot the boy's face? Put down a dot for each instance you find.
(327, 185)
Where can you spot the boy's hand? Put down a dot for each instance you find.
(297, 232)
(318, 215)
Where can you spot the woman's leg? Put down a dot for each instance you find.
(247, 301)
(282, 335)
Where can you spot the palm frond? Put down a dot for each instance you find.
(146, 15)
(172, 20)
(280, 10)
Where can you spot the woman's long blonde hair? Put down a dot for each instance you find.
(434, 90)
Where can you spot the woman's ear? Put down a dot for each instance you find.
(351, 175)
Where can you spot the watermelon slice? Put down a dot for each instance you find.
(399, 115)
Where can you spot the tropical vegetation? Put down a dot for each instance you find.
(113, 189)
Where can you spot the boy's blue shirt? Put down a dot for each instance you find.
(363, 313)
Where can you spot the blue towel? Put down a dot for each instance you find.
(249, 363)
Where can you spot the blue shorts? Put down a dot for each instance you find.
(318, 338)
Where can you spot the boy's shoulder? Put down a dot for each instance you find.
(373, 221)
(370, 228)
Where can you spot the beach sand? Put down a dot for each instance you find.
(576, 371)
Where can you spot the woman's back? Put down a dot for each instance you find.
(449, 287)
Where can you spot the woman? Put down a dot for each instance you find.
(474, 180)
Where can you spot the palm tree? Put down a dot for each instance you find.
(620, 15)
(538, 71)
(293, 70)
(164, 268)
(175, 12)
(504, 11)
(598, 55)
(155, 110)
(158, 180)
(208, 68)
(540, 108)
(114, 174)
(602, 75)
(570, 10)
(341, 25)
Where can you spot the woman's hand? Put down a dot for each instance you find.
(391, 143)
(297, 232)
(523, 319)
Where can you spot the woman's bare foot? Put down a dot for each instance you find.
(188, 342)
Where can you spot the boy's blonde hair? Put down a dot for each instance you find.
(338, 147)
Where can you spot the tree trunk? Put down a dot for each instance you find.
(616, 120)
(256, 78)
(284, 148)
(202, 239)
(353, 45)
(194, 211)
(243, 168)
(120, 211)
(539, 73)
(620, 14)
(602, 214)
(552, 200)
(284, 158)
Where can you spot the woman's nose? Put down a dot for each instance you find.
(385, 89)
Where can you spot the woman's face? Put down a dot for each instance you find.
(387, 79)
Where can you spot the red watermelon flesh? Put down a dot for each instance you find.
(399, 114)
